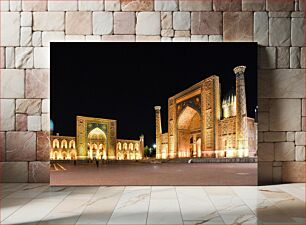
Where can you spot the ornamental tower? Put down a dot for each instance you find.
(158, 132)
(241, 113)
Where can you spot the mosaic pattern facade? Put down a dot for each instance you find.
(96, 138)
(201, 126)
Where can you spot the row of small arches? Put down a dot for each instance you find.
(126, 146)
(63, 144)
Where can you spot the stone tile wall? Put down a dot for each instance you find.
(28, 26)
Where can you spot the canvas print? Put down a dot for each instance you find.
(153, 114)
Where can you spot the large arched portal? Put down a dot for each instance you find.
(189, 133)
(96, 143)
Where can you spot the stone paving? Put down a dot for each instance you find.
(155, 174)
(41, 204)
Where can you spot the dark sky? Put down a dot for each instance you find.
(124, 81)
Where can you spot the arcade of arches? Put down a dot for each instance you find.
(96, 139)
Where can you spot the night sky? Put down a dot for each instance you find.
(124, 81)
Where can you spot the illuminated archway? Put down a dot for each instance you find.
(188, 129)
(96, 141)
(64, 144)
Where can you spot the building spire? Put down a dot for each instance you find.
(241, 113)
(158, 132)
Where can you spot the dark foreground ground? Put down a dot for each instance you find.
(155, 174)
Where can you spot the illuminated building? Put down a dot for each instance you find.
(96, 138)
(200, 125)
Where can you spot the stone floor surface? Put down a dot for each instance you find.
(155, 174)
(42, 204)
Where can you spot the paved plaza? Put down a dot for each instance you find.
(154, 174)
(41, 204)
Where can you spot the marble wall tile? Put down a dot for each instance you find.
(102, 23)
(283, 57)
(26, 19)
(300, 138)
(198, 5)
(10, 28)
(2, 146)
(263, 104)
(148, 23)
(52, 36)
(295, 57)
(137, 5)
(280, 5)
(253, 5)
(206, 23)
(300, 153)
(25, 36)
(275, 136)
(34, 123)
(238, 26)
(265, 173)
(78, 23)
(7, 114)
(261, 28)
(293, 172)
(61, 5)
(39, 172)
(75, 38)
(124, 22)
(45, 122)
(46, 105)
(144, 38)
(43, 146)
(301, 5)
(21, 122)
(279, 32)
(24, 57)
(181, 21)
(93, 38)
(5, 5)
(112, 5)
(119, 38)
(34, 5)
(37, 83)
(215, 38)
(2, 57)
(266, 152)
(199, 38)
(12, 83)
(166, 20)
(48, 21)
(9, 58)
(167, 33)
(281, 83)
(91, 5)
(21, 146)
(227, 5)
(297, 32)
(37, 39)
(263, 121)
(284, 151)
(285, 115)
(41, 57)
(266, 57)
(290, 136)
(169, 5)
(14, 172)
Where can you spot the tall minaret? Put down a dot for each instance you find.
(158, 132)
(141, 143)
(241, 113)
